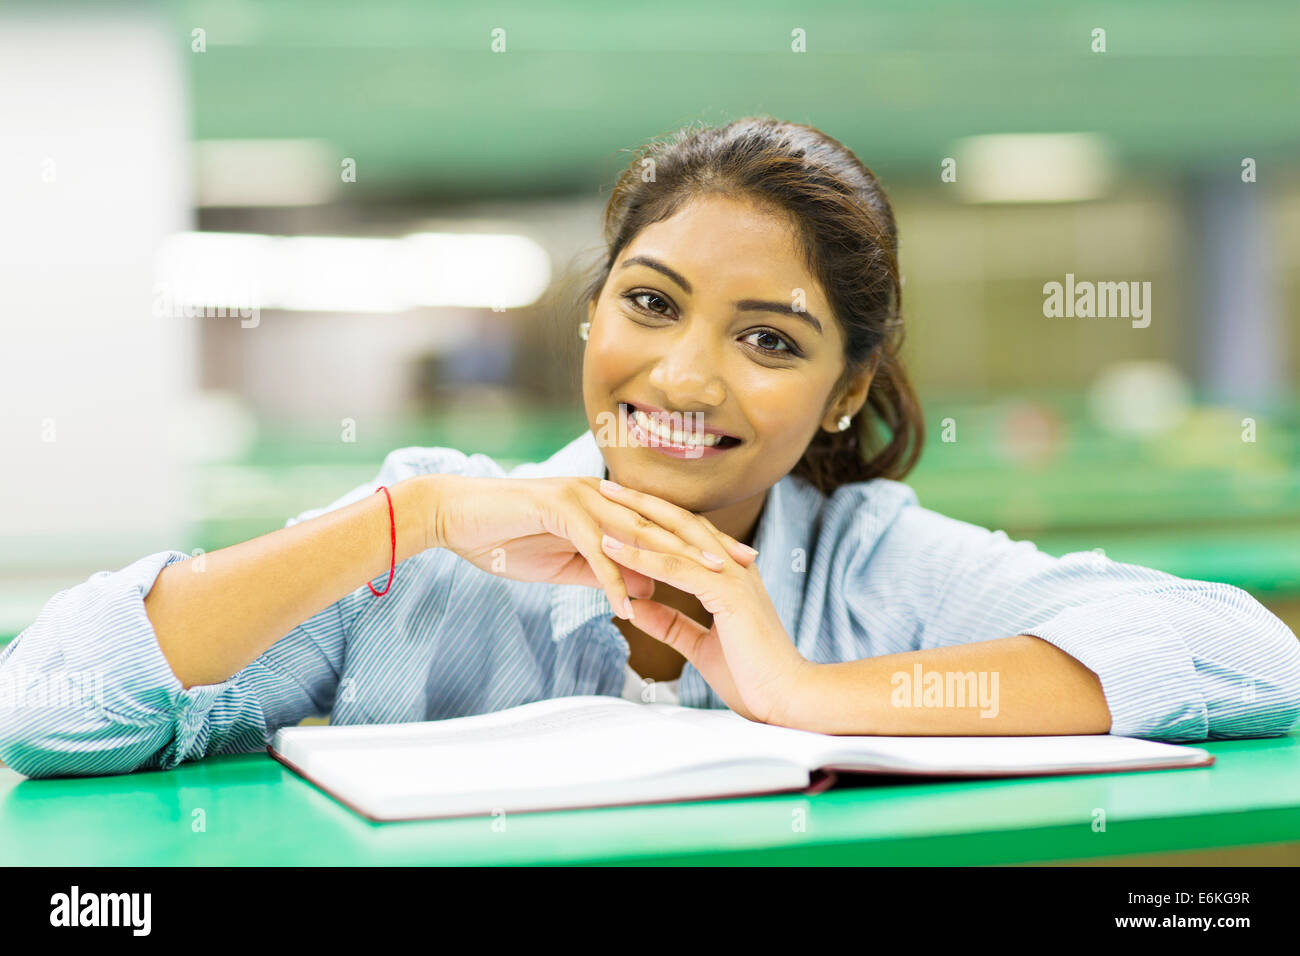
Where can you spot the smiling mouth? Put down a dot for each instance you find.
(669, 431)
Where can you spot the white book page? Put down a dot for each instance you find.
(994, 755)
(561, 744)
(1003, 755)
(593, 750)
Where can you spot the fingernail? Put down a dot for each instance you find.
(607, 485)
(627, 609)
(752, 552)
(712, 558)
(612, 543)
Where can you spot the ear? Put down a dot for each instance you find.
(853, 397)
(591, 309)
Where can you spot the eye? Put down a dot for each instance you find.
(634, 296)
(782, 344)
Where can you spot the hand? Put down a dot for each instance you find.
(746, 656)
(549, 529)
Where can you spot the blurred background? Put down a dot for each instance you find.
(248, 248)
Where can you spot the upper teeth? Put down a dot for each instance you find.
(668, 433)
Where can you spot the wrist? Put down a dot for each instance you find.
(845, 697)
(411, 498)
(433, 509)
(802, 688)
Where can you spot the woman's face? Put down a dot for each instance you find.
(710, 320)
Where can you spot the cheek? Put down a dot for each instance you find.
(783, 411)
(609, 357)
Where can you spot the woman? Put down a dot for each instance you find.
(741, 354)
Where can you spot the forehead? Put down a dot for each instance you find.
(721, 244)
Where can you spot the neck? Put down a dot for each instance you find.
(740, 520)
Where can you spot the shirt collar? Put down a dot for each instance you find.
(785, 537)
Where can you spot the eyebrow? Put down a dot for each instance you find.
(744, 305)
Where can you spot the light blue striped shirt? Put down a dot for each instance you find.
(863, 572)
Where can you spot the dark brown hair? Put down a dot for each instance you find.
(850, 242)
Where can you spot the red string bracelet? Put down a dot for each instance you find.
(392, 524)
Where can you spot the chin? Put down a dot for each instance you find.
(691, 494)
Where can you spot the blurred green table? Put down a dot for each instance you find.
(250, 810)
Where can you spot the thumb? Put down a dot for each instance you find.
(578, 571)
(669, 626)
(689, 638)
(638, 585)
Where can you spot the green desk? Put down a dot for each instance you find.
(256, 812)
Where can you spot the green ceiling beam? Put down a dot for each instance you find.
(414, 93)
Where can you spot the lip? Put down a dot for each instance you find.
(655, 411)
(646, 440)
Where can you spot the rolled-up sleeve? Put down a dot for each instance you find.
(86, 690)
(1178, 659)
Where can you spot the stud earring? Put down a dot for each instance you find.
(844, 422)
(584, 329)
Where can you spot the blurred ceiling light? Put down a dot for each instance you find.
(1033, 167)
(338, 274)
(265, 172)
(1139, 397)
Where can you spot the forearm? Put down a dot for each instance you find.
(212, 618)
(1012, 686)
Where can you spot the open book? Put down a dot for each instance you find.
(594, 751)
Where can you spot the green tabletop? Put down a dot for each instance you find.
(248, 809)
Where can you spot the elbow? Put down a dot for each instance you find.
(1281, 681)
(53, 746)
(66, 735)
(23, 754)
(23, 744)
(1261, 694)
(82, 689)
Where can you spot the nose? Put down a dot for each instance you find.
(685, 376)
